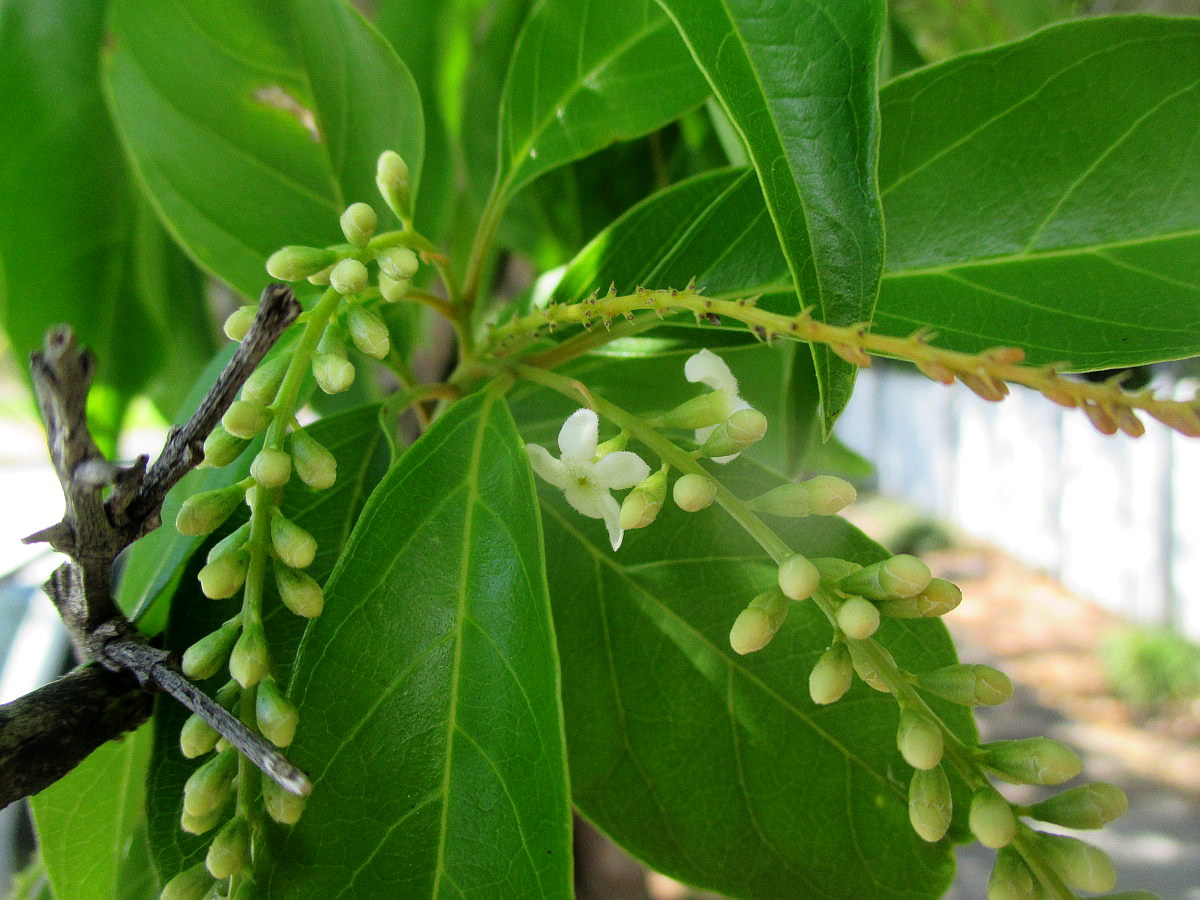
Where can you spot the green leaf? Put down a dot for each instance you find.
(585, 75)
(89, 822)
(281, 107)
(718, 769)
(1058, 209)
(430, 720)
(798, 82)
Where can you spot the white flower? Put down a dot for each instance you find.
(708, 368)
(585, 480)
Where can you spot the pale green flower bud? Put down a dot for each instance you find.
(232, 542)
(238, 322)
(271, 468)
(282, 806)
(358, 223)
(919, 740)
(207, 511)
(399, 263)
(742, 429)
(349, 276)
(333, 373)
(201, 824)
(294, 263)
(759, 622)
(969, 684)
(708, 409)
(798, 578)
(229, 851)
(229, 695)
(277, 717)
(196, 737)
(1011, 878)
(221, 448)
(693, 493)
(208, 787)
(787, 500)
(250, 659)
(829, 495)
(858, 618)
(991, 818)
(298, 591)
(263, 383)
(833, 570)
(391, 177)
(205, 657)
(1081, 865)
(867, 671)
(938, 598)
(930, 804)
(830, 678)
(190, 884)
(368, 332)
(641, 505)
(321, 278)
(292, 544)
(246, 419)
(898, 576)
(225, 575)
(315, 465)
(393, 290)
(1037, 760)
(1087, 806)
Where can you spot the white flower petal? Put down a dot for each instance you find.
(579, 436)
(547, 467)
(612, 518)
(620, 470)
(708, 368)
(584, 496)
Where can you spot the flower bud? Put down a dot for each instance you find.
(205, 657)
(758, 622)
(1087, 806)
(898, 576)
(246, 419)
(333, 373)
(398, 263)
(798, 578)
(292, 544)
(250, 659)
(294, 263)
(391, 177)
(641, 505)
(788, 500)
(282, 806)
(830, 678)
(991, 818)
(207, 511)
(1081, 865)
(968, 684)
(937, 599)
(349, 276)
(704, 411)
(231, 543)
(742, 429)
(829, 495)
(221, 448)
(858, 618)
(833, 570)
(693, 493)
(1038, 760)
(208, 787)
(321, 278)
(229, 851)
(196, 737)
(271, 468)
(919, 740)
(277, 717)
(298, 591)
(263, 383)
(930, 804)
(358, 223)
(866, 670)
(229, 695)
(315, 465)
(238, 322)
(393, 290)
(190, 884)
(1011, 878)
(225, 575)
(201, 824)
(368, 332)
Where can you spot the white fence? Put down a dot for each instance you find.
(1115, 519)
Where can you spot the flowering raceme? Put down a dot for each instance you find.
(584, 479)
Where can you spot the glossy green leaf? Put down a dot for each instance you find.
(90, 821)
(1059, 207)
(430, 719)
(586, 74)
(281, 107)
(798, 82)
